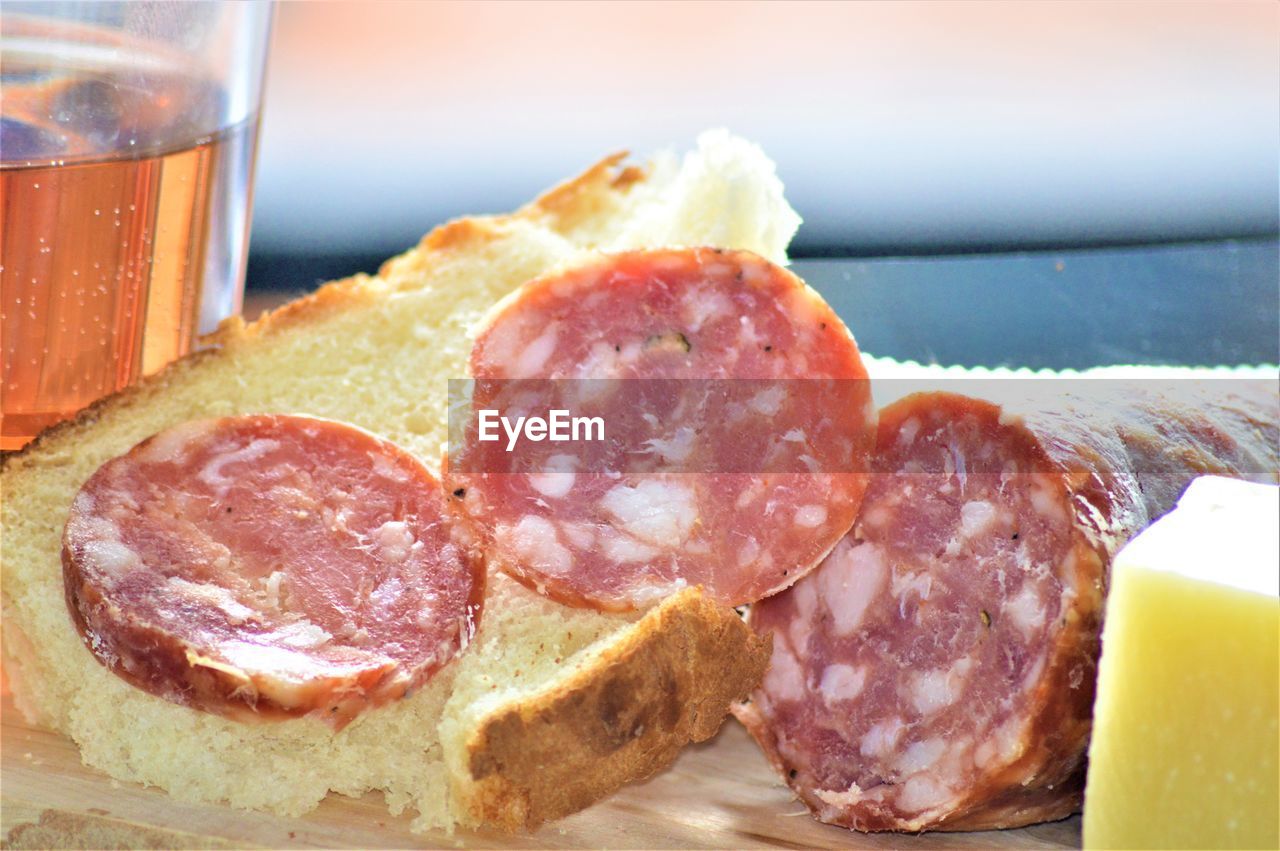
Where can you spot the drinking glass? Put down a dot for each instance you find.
(127, 140)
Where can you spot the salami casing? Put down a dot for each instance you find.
(270, 566)
(736, 419)
(937, 671)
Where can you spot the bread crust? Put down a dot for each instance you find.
(622, 717)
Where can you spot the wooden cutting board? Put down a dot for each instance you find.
(720, 794)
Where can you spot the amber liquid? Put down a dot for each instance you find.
(111, 264)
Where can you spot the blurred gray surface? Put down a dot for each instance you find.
(1197, 304)
(1191, 304)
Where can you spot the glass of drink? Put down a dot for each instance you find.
(127, 139)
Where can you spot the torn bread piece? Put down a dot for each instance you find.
(613, 696)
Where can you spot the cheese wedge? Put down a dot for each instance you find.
(1185, 738)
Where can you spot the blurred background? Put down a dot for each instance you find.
(898, 128)
(1011, 134)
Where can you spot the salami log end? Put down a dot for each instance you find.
(937, 671)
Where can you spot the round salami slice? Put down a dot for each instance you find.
(736, 419)
(937, 670)
(270, 566)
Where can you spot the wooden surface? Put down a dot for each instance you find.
(718, 794)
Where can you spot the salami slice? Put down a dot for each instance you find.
(937, 671)
(737, 423)
(267, 566)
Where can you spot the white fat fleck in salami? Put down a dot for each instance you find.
(785, 679)
(394, 540)
(268, 566)
(976, 516)
(558, 477)
(213, 475)
(1026, 611)
(922, 791)
(532, 358)
(920, 755)
(1002, 746)
(811, 516)
(853, 577)
(653, 510)
(841, 682)
(768, 401)
(675, 449)
(750, 491)
(933, 691)
(112, 557)
(743, 502)
(881, 738)
(535, 541)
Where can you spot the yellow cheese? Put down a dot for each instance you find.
(1186, 730)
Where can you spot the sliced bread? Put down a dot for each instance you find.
(550, 708)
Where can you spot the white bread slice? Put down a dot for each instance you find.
(550, 708)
